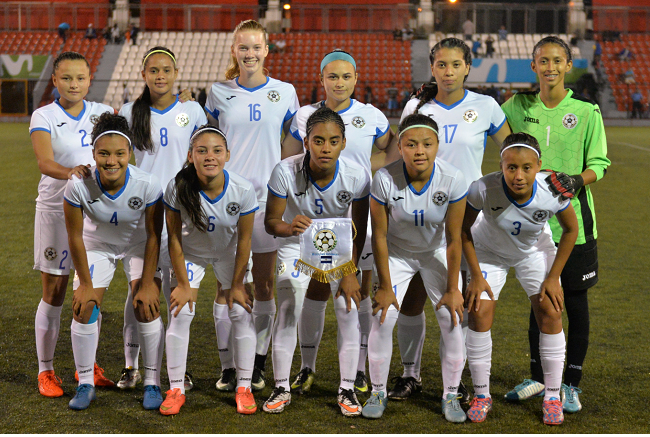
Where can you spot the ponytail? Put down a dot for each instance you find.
(246, 25)
(426, 93)
(187, 193)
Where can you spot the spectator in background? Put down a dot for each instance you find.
(203, 97)
(397, 34)
(91, 33)
(489, 47)
(125, 93)
(637, 106)
(407, 33)
(437, 28)
(116, 36)
(368, 97)
(625, 55)
(393, 105)
(468, 29)
(280, 45)
(314, 95)
(598, 51)
(503, 33)
(133, 31)
(107, 34)
(63, 31)
(628, 77)
(476, 46)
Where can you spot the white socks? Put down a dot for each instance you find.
(365, 324)
(263, 314)
(84, 346)
(410, 337)
(479, 356)
(178, 338)
(452, 361)
(130, 333)
(312, 321)
(552, 353)
(151, 337)
(380, 350)
(223, 327)
(243, 340)
(284, 334)
(347, 340)
(46, 326)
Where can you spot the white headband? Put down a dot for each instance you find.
(109, 132)
(418, 125)
(520, 145)
(207, 129)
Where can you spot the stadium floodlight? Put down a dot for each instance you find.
(286, 6)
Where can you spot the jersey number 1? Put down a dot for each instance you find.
(254, 112)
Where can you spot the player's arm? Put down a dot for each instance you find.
(477, 283)
(453, 298)
(182, 293)
(291, 146)
(501, 134)
(146, 293)
(42, 144)
(388, 144)
(211, 120)
(273, 222)
(237, 292)
(596, 159)
(384, 297)
(349, 285)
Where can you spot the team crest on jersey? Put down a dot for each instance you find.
(440, 198)
(233, 208)
(325, 240)
(358, 122)
(570, 121)
(50, 254)
(470, 116)
(182, 119)
(282, 267)
(135, 203)
(93, 118)
(273, 96)
(540, 215)
(344, 197)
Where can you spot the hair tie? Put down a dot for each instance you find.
(144, 61)
(112, 132)
(520, 145)
(417, 125)
(337, 55)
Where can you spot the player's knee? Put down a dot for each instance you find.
(141, 314)
(89, 315)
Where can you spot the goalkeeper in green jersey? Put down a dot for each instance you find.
(570, 131)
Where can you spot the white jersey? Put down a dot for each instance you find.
(463, 129)
(508, 228)
(363, 125)
(416, 219)
(223, 212)
(171, 129)
(351, 182)
(252, 119)
(118, 219)
(71, 145)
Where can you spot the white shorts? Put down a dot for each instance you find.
(223, 270)
(530, 269)
(262, 242)
(286, 276)
(51, 250)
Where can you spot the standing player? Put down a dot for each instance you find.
(516, 204)
(465, 120)
(570, 131)
(161, 126)
(365, 127)
(114, 214)
(252, 110)
(413, 201)
(60, 135)
(316, 184)
(210, 222)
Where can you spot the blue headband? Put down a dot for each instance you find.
(337, 56)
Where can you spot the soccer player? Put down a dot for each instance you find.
(365, 127)
(253, 110)
(465, 119)
(60, 134)
(570, 131)
(316, 184)
(414, 201)
(113, 214)
(209, 214)
(161, 126)
(516, 204)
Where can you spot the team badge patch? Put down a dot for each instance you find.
(282, 267)
(439, 198)
(182, 119)
(540, 215)
(233, 208)
(470, 116)
(273, 96)
(94, 118)
(358, 122)
(135, 203)
(570, 121)
(325, 240)
(344, 197)
(50, 254)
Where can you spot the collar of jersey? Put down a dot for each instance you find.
(110, 196)
(513, 201)
(442, 105)
(78, 117)
(564, 100)
(322, 103)
(426, 186)
(251, 89)
(166, 110)
(225, 187)
(336, 173)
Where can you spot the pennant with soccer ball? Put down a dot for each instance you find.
(326, 249)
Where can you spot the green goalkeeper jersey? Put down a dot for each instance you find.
(572, 139)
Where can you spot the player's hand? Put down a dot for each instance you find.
(382, 300)
(84, 300)
(146, 300)
(561, 184)
(453, 299)
(299, 224)
(350, 288)
(185, 96)
(474, 290)
(179, 297)
(238, 294)
(81, 171)
(551, 287)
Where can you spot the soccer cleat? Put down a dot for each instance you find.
(374, 406)
(570, 400)
(173, 402)
(258, 383)
(349, 404)
(479, 408)
(152, 397)
(360, 382)
(228, 380)
(100, 379)
(526, 390)
(245, 401)
(82, 399)
(464, 393)
(303, 381)
(278, 401)
(49, 384)
(404, 387)
(129, 379)
(552, 410)
(452, 410)
(187, 381)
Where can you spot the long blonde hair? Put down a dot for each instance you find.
(246, 25)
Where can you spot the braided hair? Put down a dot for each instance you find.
(553, 40)
(321, 115)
